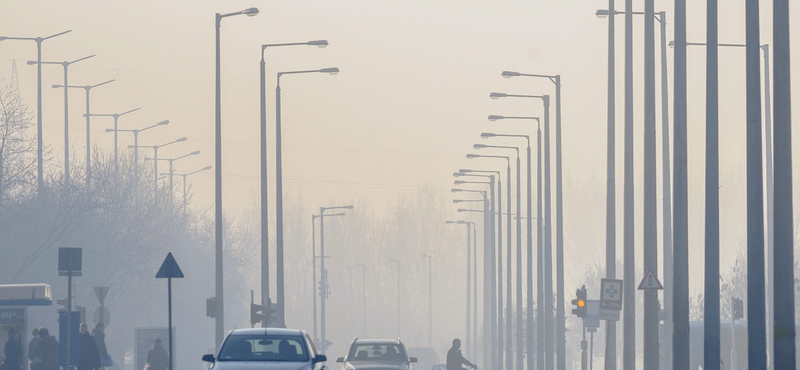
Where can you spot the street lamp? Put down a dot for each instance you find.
(430, 297)
(87, 88)
(185, 175)
(66, 65)
(529, 331)
(219, 306)
(509, 322)
(500, 312)
(313, 270)
(472, 290)
(279, 186)
(39, 144)
(155, 160)
(264, 193)
(323, 274)
(560, 317)
(136, 152)
(171, 160)
(490, 279)
(398, 295)
(116, 118)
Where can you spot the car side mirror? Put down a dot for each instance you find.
(208, 358)
(412, 359)
(340, 359)
(320, 358)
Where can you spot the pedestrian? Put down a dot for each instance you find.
(47, 348)
(33, 350)
(13, 351)
(99, 335)
(89, 358)
(455, 361)
(157, 357)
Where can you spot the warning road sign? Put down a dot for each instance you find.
(650, 281)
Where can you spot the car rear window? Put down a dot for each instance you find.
(263, 348)
(389, 352)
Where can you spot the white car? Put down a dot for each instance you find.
(267, 349)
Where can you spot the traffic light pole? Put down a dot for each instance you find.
(734, 357)
(584, 359)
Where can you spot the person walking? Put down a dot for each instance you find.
(455, 361)
(89, 358)
(157, 357)
(47, 349)
(99, 335)
(33, 351)
(13, 351)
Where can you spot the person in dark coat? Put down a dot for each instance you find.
(47, 348)
(157, 357)
(13, 351)
(455, 361)
(99, 335)
(90, 358)
(33, 350)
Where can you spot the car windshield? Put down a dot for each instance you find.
(384, 352)
(263, 348)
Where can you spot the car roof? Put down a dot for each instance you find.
(268, 331)
(377, 341)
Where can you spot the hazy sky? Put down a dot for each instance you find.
(411, 98)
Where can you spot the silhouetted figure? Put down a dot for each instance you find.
(89, 359)
(455, 361)
(13, 351)
(47, 349)
(157, 357)
(99, 335)
(33, 350)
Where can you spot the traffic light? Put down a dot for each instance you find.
(580, 302)
(211, 307)
(271, 314)
(257, 313)
(738, 308)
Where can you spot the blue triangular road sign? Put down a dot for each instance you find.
(169, 269)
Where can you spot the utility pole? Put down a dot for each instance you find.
(680, 303)
(611, 186)
(711, 322)
(784, 331)
(651, 348)
(629, 304)
(756, 322)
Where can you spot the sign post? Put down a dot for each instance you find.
(610, 299)
(169, 269)
(69, 265)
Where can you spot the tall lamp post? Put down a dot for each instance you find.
(500, 313)
(519, 343)
(430, 298)
(86, 88)
(313, 271)
(544, 358)
(155, 161)
(529, 302)
(279, 187)
(185, 175)
(135, 133)
(116, 117)
(264, 193)
(39, 144)
(219, 306)
(323, 274)
(66, 65)
(560, 318)
(171, 169)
